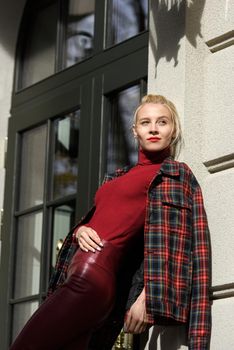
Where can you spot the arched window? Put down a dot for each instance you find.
(58, 34)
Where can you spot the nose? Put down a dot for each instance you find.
(153, 128)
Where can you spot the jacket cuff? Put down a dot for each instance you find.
(198, 343)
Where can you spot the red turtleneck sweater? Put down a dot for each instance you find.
(121, 202)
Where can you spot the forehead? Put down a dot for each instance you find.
(152, 110)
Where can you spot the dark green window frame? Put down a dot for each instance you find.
(88, 85)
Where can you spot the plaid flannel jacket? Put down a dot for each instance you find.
(176, 252)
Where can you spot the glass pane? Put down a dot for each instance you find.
(32, 167)
(28, 255)
(121, 148)
(126, 19)
(21, 314)
(65, 163)
(80, 31)
(39, 52)
(64, 216)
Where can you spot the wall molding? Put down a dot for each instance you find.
(222, 291)
(219, 164)
(221, 42)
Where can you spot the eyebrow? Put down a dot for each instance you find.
(160, 117)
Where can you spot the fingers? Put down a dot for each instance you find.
(88, 239)
(133, 324)
(87, 243)
(135, 327)
(127, 321)
(136, 317)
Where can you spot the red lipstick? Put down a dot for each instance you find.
(154, 139)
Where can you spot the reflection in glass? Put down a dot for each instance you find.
(121, 146)
(32, 167)
(39, 52)
(80, 31)
(63, 221)
(126, 19)
(21, 314)
(65, 155)
(28, 255)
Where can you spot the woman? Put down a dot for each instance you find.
(159, 196)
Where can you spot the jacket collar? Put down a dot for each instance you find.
(170, 167)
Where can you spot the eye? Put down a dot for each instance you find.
(144, 122)
(162, 122)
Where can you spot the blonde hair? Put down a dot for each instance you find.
(176, 142)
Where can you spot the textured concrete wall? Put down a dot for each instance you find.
(218, 157)
(191, 61)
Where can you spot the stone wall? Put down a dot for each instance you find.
(196, 72)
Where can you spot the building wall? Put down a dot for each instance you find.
(10, 16)
(196, 72)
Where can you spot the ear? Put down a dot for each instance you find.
(134, 131)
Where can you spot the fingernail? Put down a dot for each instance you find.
(98, 248)
(93, 250)
(101, 244)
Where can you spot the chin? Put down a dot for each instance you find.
(149, 149)
(154, 148)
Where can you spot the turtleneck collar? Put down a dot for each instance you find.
(145, 157)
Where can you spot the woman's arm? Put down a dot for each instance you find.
(200, 313)
(136, 317)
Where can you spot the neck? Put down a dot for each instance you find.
(146, 157)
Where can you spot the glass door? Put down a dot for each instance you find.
(75, 92)
(48, 161)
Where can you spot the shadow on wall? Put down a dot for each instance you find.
(165, 338)
(172, 20)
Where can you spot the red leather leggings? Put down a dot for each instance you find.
(66, 320)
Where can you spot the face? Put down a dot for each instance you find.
(154, 127)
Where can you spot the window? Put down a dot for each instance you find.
(121, 148)
(61, 33)
(71, 122)
(58, 34)
(37, 200)
(39, 46)
(126, 19)
(65, 155)
(79, 31)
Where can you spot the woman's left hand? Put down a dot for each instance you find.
(136, 317)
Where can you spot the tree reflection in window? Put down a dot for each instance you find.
(80, 31)
(126, 19)
(122, 149)
(65, 163)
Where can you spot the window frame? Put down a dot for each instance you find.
(87, 85)
(100, 28)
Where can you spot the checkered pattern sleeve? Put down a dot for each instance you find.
(66, 253)
(200, 309)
